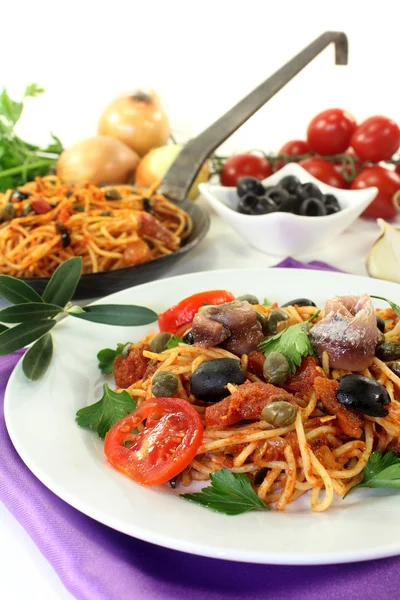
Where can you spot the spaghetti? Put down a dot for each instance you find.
(45, 222)
(313, 454)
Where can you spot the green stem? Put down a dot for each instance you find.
(34, 165)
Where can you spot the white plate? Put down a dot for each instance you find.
(69, 460)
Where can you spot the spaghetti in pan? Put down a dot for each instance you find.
(45, 222)
(295, 398)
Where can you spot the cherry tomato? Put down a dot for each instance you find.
(165, 447)
(387, 182)
(244, 165)
(376, 139)
(292, 148)
(330, 131)
(324, 171)
(183, 312)
(40, 206)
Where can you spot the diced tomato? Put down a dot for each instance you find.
(64, 214)
(165, 447)
(40, 206)
(183, 312)
(131, 368)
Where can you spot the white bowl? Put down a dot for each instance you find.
(283, 233)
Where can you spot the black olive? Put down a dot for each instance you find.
(69, 194)
(246, 204)
(172, 482)
(65, 234)
(395, 367)
(79, 208)
(330, 200)
(254, 205)
(380, 323)
(250, 298)
(7, 213)
(289, 183)
(262, 319)
(313, 207)
(274, 317)
(309, 190)
(300, 302)
(210, 378)
(112, 195)
(249, 184)
(331, 210)
(147, 205)
(188, 338)
(260, 476)
(18, 195)
(388, 351)
(364, 394)
(281, 198)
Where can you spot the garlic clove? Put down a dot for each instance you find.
(383, 260)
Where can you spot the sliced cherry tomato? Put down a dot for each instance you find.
(40, 206)
(244, 165)
(165, 447)
(324, 171)
(387, 182)
(292, 148)
(183, 312)
(330, 131)
(376, 139)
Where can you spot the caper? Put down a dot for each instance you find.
(380, 323)
(279, 413)
(159, 343)
(164, 383)
(388, 351)
(7, 213)
(112, 195)
(79, 207)
(395, 367)
(262, 319)
(381, 337)
(250, 298)
(27, 209)
(274, 317)
(276, 368)
(106, 213)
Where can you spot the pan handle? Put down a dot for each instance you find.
(183, 171)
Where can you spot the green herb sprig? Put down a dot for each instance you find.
(229, 493)
(381, 471)
(395, 307)
(293, 342)
(35, 316)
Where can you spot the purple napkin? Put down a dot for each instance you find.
(98, 563)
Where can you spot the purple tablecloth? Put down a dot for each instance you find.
(98, 563)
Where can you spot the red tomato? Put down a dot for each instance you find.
(376, 139)
(324, 171)
(330, 131)
(292, 148)
(65, 214)
(183, 312)
(165, 447)
(40, 206)
(244, 165)
(387, 182)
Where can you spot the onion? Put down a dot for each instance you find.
(138, 121)
(383, 260)
(98, 160)
(156, 163)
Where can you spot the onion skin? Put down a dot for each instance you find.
(98, 160)
(138, 121)
(156, 163)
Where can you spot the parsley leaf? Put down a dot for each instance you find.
(174, 341)
(229, 493)
(395, 307)
(267, 302)
(381, 471)
(107, 356)
(102, 415)
(293, 342)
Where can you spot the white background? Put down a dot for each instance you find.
(201, 56)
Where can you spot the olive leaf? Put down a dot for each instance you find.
(16, 291)
(37, 359)
(63, 282)
(26, 312)
(21, 335)
(117, 314)
(3, 328)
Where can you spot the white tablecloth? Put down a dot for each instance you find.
(24, 571)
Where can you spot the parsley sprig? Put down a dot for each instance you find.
(107, 356)
(293, 342)
(35, 316)
(381, 471)
(229, 493)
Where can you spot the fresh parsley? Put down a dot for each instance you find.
(229, 493)
(174, 341)
(395, 307)
(102, 415)
(267, 302)
(293, 342)
(107, 356)
(381, 471)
